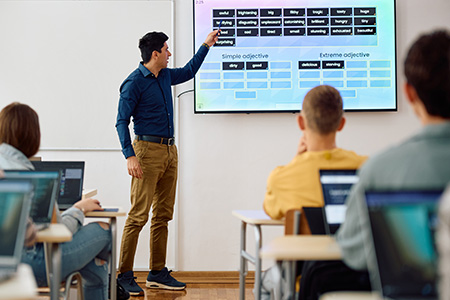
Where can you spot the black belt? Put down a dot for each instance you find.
(156, 139)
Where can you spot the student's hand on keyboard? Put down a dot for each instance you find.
(88, 205)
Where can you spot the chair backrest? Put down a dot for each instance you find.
(295, 223)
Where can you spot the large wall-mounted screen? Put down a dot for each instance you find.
(272, 52)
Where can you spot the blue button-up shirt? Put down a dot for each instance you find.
(148, 99)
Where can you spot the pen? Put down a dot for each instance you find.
(218, 29)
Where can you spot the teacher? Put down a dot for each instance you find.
(152, 160)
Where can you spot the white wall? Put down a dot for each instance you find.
(225, 159)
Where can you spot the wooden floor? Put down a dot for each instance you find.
(200, 286)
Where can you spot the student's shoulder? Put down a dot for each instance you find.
(392, 155)
(353, 155)
(297, 163)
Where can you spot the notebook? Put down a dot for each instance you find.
(336, 185)
(15, 200)
(72, 175)
(403, 226)
(46, 189)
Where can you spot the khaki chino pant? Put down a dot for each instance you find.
(156, 190)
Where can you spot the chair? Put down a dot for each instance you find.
(295, 224)
(74, 280)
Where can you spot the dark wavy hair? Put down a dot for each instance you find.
(427, 69)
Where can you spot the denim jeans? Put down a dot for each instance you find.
(87, 244)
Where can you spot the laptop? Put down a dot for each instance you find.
(15, 200)
(336, 185)
(403, 226)
(72, 175)
(46, 189)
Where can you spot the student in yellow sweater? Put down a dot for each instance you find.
(297, 184)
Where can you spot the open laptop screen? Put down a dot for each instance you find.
(403, 225)
(15, 199)
(46, 186)
(336, 185)
(72, 174)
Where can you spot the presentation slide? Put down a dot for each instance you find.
(272, 52)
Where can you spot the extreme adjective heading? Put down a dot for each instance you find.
(346, 55)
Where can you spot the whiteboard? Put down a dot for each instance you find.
(67, 59)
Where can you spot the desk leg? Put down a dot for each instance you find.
(113, 226)
(258, 239)
(53, 261)
(278, 290)
(242, 270)
(286, 288)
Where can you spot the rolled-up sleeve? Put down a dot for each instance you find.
(73, 218)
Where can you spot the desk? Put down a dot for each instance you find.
(112, 215)
(257, 218)
(302, 247)
(292, 248)
(20, 287)
(52, 237)
(350, 296)
(88, 193)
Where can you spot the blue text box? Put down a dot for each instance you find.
(380, 83)
(233, 85)
(356, 83)
(280, 65)
(280, 75)
(256, 75)
(233, 75)
(380, 64)
(209, 85)
(256, 85)
(348, 93)
(333, 74)
(353, 74)
(245, 95)
(211, 66)
(334, 83)
(356, 64)
(309, 74)
(280, 84)
(386, 73)
(309, 84)
(209, 75)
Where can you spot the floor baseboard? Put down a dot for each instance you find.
(204, 277)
